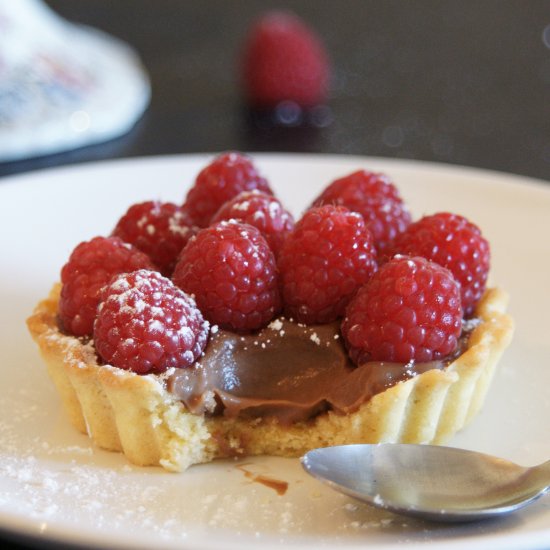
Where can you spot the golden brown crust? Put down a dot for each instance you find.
(122, 411)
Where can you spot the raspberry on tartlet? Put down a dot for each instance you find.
(410, 310)
(354, 187)
(225, 177)
(263, 211)
(91, 266)
(455, 243)
(160, 229)
(230, 270)
(323, 262)
(376, 198)
(147, 325)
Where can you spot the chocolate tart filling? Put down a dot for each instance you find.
(142, 415)
(287, 371)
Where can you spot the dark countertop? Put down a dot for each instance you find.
(457, 82)
(464, 83)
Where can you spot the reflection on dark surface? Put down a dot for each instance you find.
(264, 131)
(434, 80)
(119, 147)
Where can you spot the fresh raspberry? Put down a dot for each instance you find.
(159, 229)
(231, 271)
(455, 243)
(91, 266)
(376, 198)
(284, 60)
(385, 218)
(263, 211)
(409, 311)
(323, 262)
(357, 185)
(226, 176)
(147, 325)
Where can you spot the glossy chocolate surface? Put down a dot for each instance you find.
(288, 371)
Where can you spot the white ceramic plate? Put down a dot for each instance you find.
(56, 486)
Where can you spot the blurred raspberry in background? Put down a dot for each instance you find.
(285, 72)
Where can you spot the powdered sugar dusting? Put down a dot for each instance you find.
(258, 216)
(242, 206)
(276, 324)
(177, 224)
(314, 338)
(55, 476)
(470, 324)
(142, 221)
(51, 474)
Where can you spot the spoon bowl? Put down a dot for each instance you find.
(429, 482)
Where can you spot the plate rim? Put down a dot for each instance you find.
(259, 156)
(33, 532)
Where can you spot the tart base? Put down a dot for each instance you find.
(136, 415)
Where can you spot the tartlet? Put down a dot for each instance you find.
(139, 416)
(269, 336)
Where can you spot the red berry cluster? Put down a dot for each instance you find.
(161, 230)
(265, 212)
(455, 243)
(90, 267)
(323, 262)
(231, 271)
(224, 178)
(409, 310)
(400, 289)
(376, 198)
(147, 324)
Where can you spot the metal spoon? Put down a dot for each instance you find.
(429, 482)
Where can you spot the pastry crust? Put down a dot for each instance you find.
(134, 414)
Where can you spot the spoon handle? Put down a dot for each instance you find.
(543, 472)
